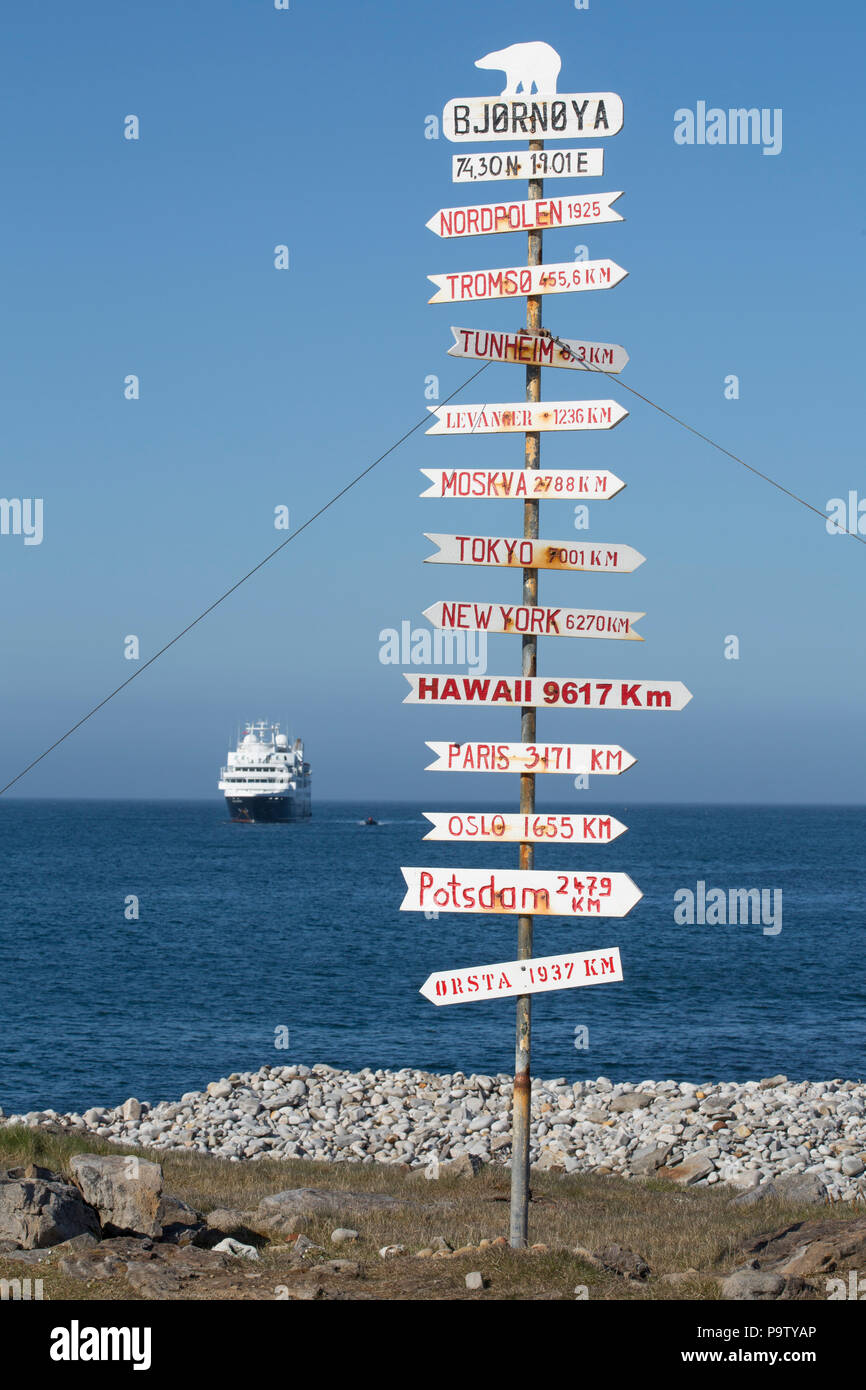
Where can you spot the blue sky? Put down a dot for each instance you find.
(262, 387)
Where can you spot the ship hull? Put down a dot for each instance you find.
(267, 809)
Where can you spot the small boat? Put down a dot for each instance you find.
(370, 821)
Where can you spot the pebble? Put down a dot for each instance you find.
(777, 1127)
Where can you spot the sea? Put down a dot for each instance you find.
(147, 948)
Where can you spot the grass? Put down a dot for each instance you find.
(673, 1230)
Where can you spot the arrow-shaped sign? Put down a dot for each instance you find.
(553, 893)
(563, 116)
(517, 553)
(536, 350)
(505, 827)
(526, 164)
(573, 758)
(528, 215)
(545, 622)
(552, 692)
(518, 417)
(562, 277)
(554, 485)
(515, 977)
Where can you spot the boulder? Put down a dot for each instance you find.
(756, 1284)
(690, 1170)
(314, 1201)
(811, 1247)
(288, 1213)
(619, 1260)
(106, 1260)
(39, 1211)
(644, 1161)
(230, 1246)
(126, 1191)
(466, 1166)
(754, 1195)
(225, 1221)
(179, 1272)
(178, 1220)
(632, 1100)
(800, 1187)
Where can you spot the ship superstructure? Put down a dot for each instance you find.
(266, 778)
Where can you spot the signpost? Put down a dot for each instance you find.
(518, 977)
(537, 349)
(572, 892)
(553, 692)
(523, 164)
(599, 759)
(546, 622)
(563, 277)
(509, 418)
(532, 553)
(486, 218)
(498, 827)
(562, 485)
(554, 893)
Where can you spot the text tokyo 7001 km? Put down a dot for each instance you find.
(498, 550)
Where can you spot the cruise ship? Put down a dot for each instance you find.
(266, 779)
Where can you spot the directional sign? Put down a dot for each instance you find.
(516, 418)
(527, 215)
(513, 977)
(562, 485)
(545, 622)
(553, 893)
(527, 164)
(561, 277)
(518, 553)
(503, 827)
(536, 350)
(553, 692)
(573, 758)
(561, 117)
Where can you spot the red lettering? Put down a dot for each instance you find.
(474, 689)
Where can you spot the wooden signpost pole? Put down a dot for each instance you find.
(522, 1099)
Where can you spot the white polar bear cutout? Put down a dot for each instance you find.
(525, 64)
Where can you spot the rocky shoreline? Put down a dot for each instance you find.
(796, 1138)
